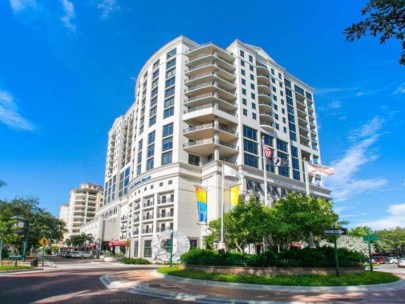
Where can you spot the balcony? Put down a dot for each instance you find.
(212, 67)
(165, 215)
(147, 231)
(208, 48)
(146, 218)
(148, 204)
(265, 106)
(268, 126)
(210, 98)
(200, 132)
(165, 201)
(263, 80)
(207, 147)
(264, 88)
(264, 96)
(208, 113)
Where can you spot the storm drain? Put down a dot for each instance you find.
(165, 286)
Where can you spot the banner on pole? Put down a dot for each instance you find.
(201, 194)
(234, 195)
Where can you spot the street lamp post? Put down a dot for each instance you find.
(22, 227)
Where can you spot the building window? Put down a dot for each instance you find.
(242, 63)
(154, 92)
(249, 133)
(166, 158)
(168, 112)
(168, 130)
(167, 143)
(242, 53)
(169, 92)
(169, 102)
(147, 249)
(243, 72)
(282, 145)
(193, 160)
(243, 81)
(171, 63)
(149, 164)
(244, 101)
(152, 121)
(170, 82)
(243, 91)
(250, 160)
(170, 73)
(151, 150)
(254, 116)
(171, 53)
(245, 112)
(151, 137)
(251, 68)
(252, 77)
(252, 86)
(250, 58)
(250, 146)
(136, 246)
(253, 105)
(153, 101)
(253, 95)
(156, 64)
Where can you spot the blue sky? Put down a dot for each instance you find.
(67, 70)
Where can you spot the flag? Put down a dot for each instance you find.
(201, 194)
(267, 151)
(319, 169)
(234, 195)
(280, 162)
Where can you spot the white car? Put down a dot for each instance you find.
(391, 261)
(401, 262)
(80, 254)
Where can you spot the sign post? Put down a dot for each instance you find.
(335, 232)
(368, 238)
(44, 241)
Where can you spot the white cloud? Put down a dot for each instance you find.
(335, 104)
(107, 7)
(9, 115)
(344, 184)
(395, 218)
(400, 89)
(20, 5)
(69, 15)
(326, 91)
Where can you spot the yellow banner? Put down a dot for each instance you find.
(234, 195)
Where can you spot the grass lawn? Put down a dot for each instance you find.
(11, 267)
(364, 278)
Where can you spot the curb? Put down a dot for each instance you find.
(400, 284)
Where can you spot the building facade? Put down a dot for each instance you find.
(83, 204)
(196, 108)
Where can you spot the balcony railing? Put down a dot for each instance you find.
(165, 201)
(167, 214)
(209, 141)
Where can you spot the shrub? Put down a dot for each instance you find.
(318, 257)
(136, 261)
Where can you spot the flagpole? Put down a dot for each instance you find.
(306, 178)
(264, 173)
(221, 244)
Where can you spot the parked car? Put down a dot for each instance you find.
(401, 262)
(378, 259)
(391, 261)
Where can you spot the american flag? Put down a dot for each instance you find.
(267, 151)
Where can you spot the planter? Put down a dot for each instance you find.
(110, 259)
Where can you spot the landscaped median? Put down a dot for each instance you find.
(350, 279)
(12, 268)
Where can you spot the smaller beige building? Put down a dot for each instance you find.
(82, 207)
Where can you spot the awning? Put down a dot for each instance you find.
(117, 243)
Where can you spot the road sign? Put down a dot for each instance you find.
(44, 241)
(335, 231)
(370, 237)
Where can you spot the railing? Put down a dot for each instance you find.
(148, 204)
(167, 201)
(200, 127)
(207, 106)
(168, 214)
(147, 231)
(209, 141)
(198, 77)
(203, 85)
(208, 95)
(203, 65)
(147, 217)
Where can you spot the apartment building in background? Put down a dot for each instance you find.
(82, 207)
(197, 107)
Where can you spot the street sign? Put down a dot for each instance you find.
(335, 231)
(370, 237)
(44, 241)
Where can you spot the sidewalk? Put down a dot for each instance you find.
(149, 282)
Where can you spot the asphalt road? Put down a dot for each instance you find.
(66, 286)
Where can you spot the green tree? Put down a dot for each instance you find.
(360, 231)
(296, 216)
(246, 223)
(391, 241)
(385, 19)
(41, 222)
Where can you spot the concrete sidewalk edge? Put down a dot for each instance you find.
(376, 287)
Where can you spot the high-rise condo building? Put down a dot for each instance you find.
(197, 107)
(83, 204)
